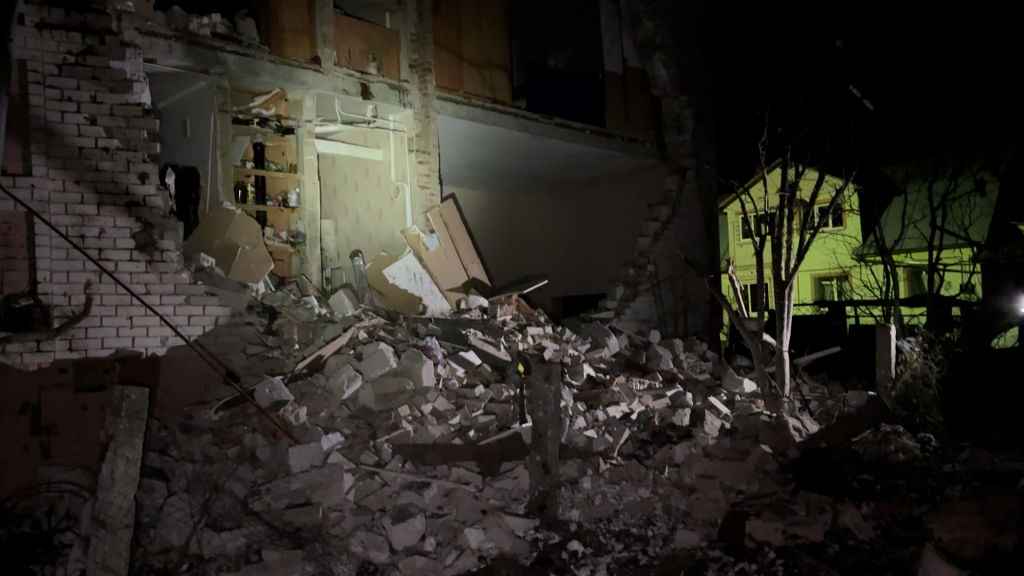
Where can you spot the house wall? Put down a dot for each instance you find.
(578, 236)
(94, 176)
(832, 254)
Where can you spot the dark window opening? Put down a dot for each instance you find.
(753, 296)
(766, 222)
(833, 219)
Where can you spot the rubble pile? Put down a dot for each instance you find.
(411, 440)
(476, 433)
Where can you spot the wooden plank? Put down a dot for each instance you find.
(288, 27)
(366, 47)
(241, 173)
(324, 353)
(454, 222)
(448, 44)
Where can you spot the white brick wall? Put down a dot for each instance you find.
(90, 141)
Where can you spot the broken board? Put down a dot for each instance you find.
(450, 215)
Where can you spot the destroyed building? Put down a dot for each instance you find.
(278, 287)
(365, 116)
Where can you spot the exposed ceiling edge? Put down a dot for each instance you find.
(336, 148)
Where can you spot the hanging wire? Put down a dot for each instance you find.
(227, 374)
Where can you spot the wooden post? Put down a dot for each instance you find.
(544, 388)
(885, 357)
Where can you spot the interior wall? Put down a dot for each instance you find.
(579, 235)
(185, 105)
(364, 199)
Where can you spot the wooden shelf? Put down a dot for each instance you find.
(248, 172)
(265, 208)
(275, 247)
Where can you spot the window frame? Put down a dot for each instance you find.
(817, 281)
(745, 224)
(829, 225)
(749, 298)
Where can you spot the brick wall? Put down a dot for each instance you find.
(15, 252)
(427, 171)
(94, 175)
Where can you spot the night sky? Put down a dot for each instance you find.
(944, 79)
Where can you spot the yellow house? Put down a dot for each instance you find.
(827, 272)
(943, 213)
(942, 216)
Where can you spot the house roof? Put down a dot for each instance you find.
(728, 199)
(961, 200)
(725, 201)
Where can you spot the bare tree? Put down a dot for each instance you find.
(793, 233)
(785, 220)
(941, 211)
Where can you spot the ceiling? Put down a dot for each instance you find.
(481, 156)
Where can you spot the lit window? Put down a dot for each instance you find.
(831, 288)
(916, 281)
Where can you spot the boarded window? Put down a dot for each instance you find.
(17, 158)
(17, 268)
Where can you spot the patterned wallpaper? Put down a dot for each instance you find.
(359, 195)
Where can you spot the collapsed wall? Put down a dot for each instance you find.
(91, 169)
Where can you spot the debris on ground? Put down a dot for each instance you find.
(440, 439)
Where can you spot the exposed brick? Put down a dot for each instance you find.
(117, 342)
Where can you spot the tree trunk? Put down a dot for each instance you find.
(783, 330)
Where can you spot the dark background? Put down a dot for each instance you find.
(941, 78)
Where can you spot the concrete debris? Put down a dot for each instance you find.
(344, 302)
(344, 382)
(386, 393)
(302, 457)
(887, 442)
(737, 384)
(405, 525)
(415, 366)
(378, 358)
(414, 448)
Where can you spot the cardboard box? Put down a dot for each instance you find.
(234, 240)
